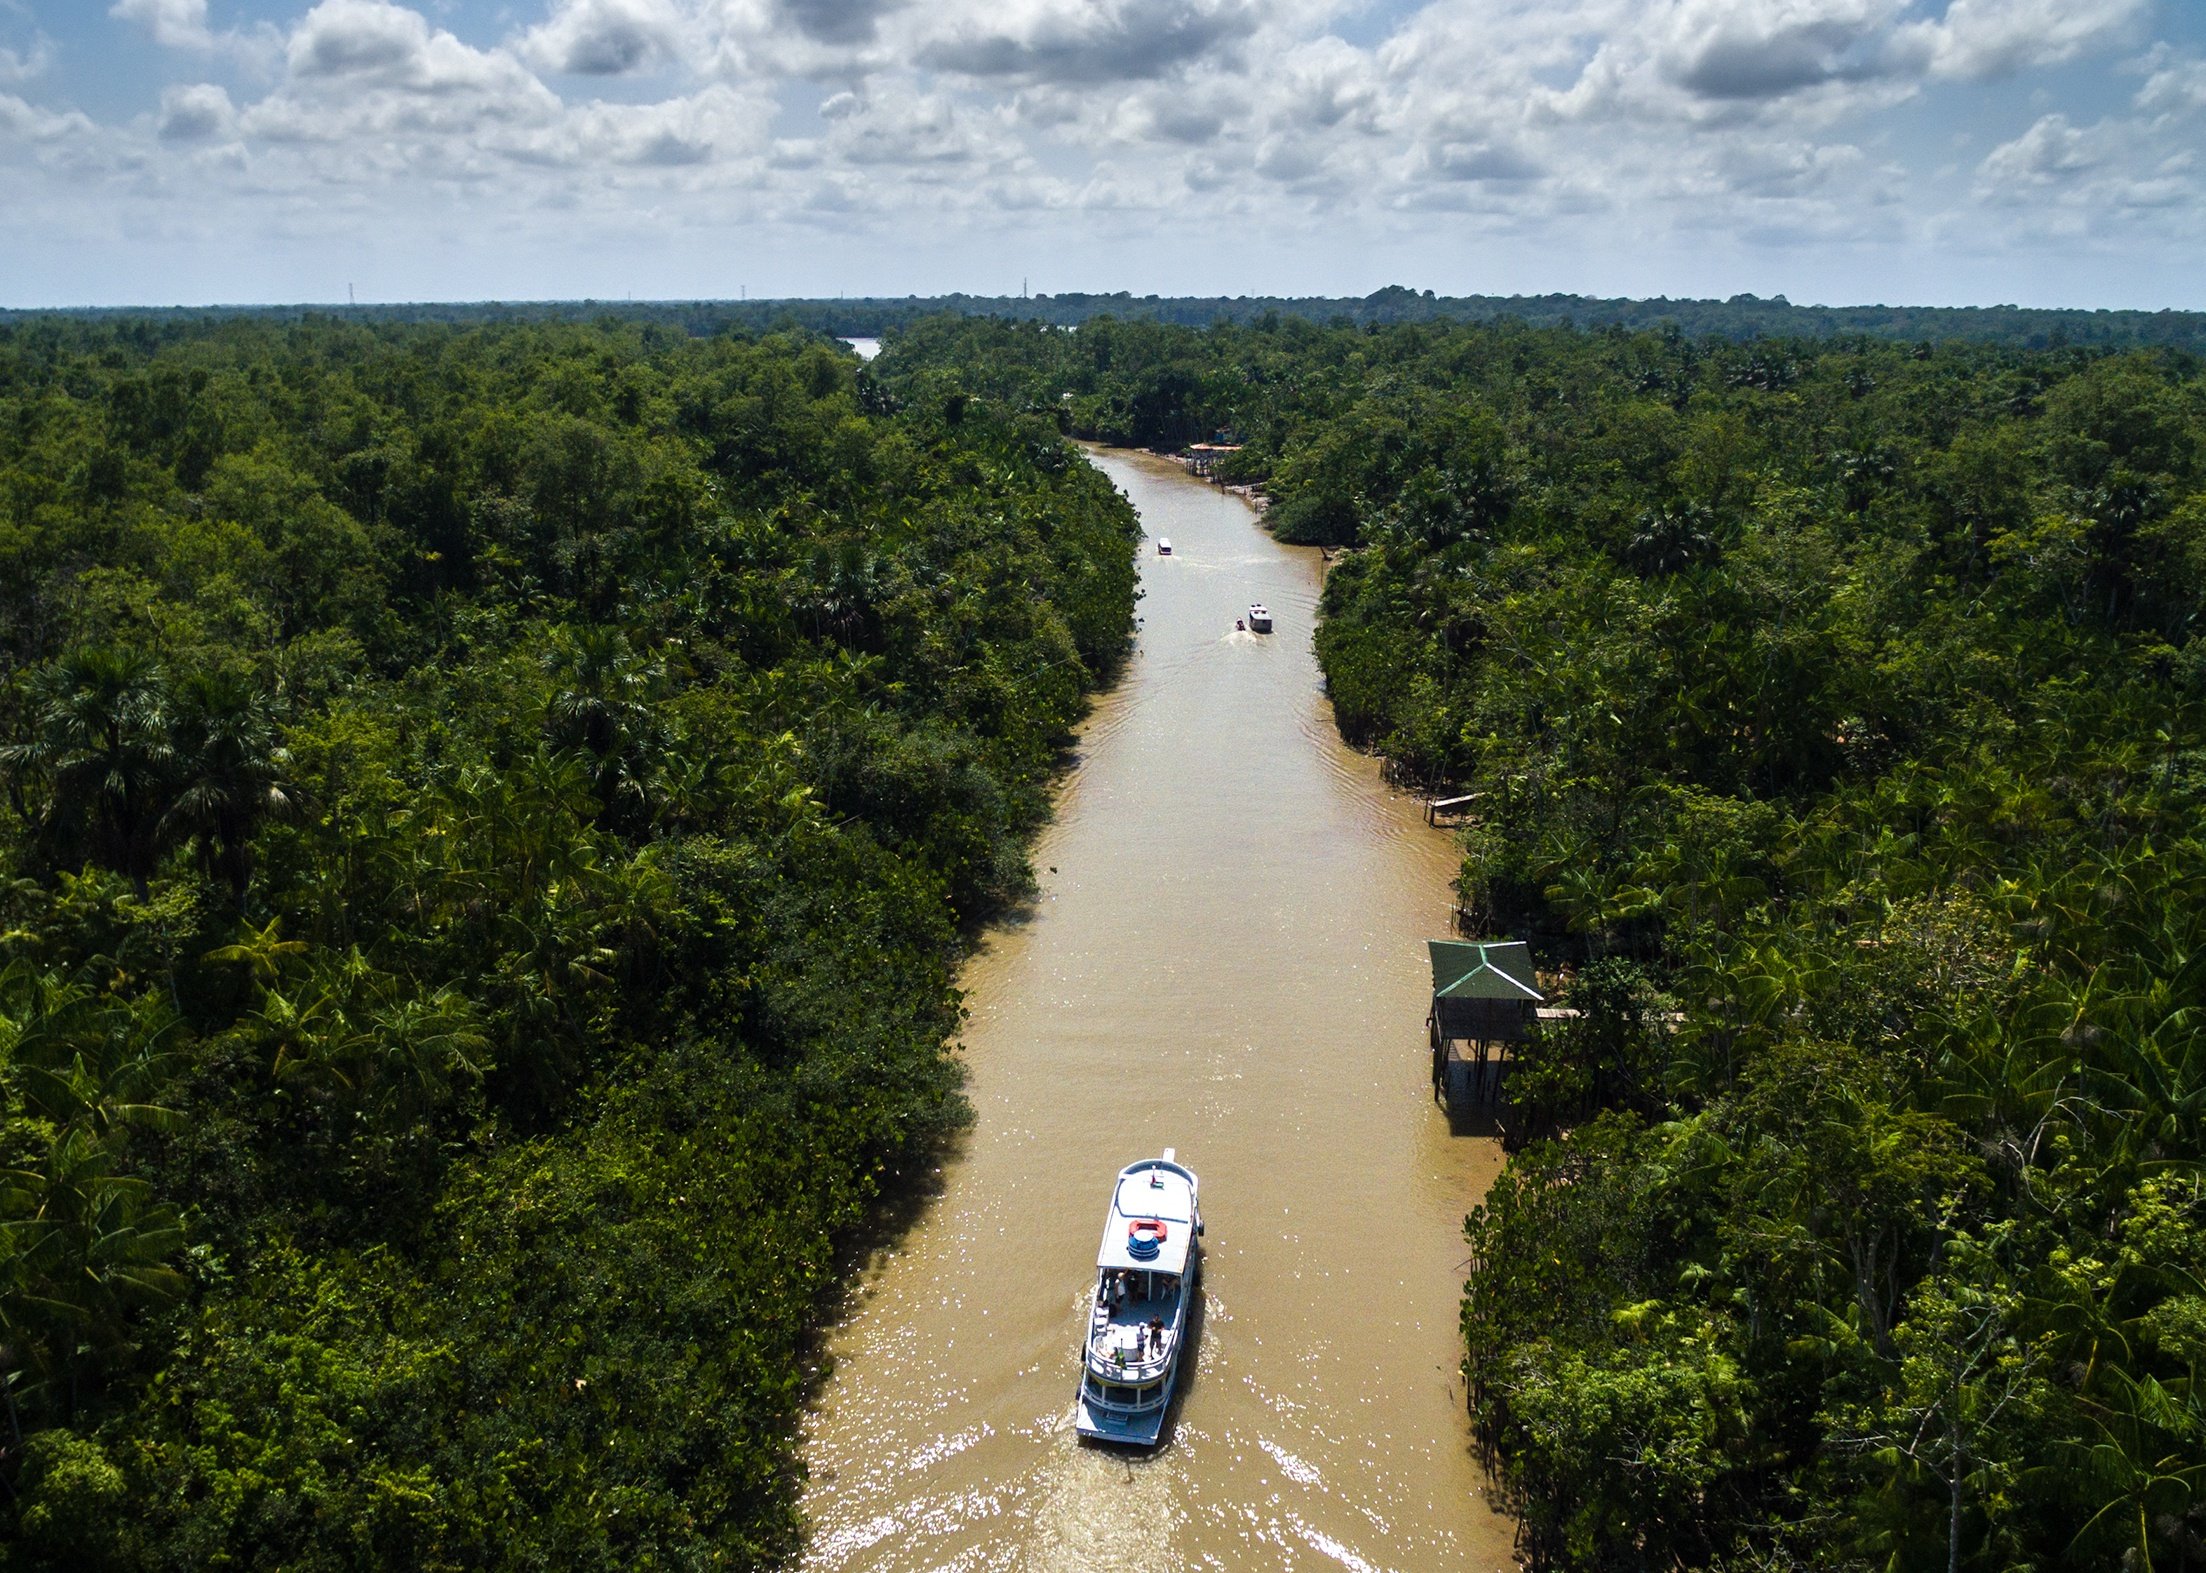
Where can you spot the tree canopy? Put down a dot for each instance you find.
(491, 815)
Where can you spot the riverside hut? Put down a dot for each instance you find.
(1483, 1000)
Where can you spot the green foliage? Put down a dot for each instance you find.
(491, 820)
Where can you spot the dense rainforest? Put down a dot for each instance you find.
(1836, 708)
(488, 818)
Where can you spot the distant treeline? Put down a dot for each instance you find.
(1740, 317)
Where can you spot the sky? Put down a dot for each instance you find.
(1939, 152)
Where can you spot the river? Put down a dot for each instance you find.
(1226, 957)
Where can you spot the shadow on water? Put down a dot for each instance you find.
(1484, 1120)
(906, 1195)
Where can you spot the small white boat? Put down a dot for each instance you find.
(1145, 1279)
(1260, 617)
(1164, 547)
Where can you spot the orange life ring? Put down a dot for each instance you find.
(1153, 1227)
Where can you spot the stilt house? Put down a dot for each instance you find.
(1483, 998)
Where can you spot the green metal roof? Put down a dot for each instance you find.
(1499, 969)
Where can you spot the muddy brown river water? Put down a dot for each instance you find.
(1226, 958)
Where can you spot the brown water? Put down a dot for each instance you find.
(1226, 958)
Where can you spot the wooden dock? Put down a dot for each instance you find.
(1452, 807)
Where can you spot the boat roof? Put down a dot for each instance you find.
(1153, 1188)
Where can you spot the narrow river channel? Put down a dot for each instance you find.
(1226, 958)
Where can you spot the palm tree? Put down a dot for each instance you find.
(846, 585)
(2136, 1471)
(86, 1058)
(229, 770)
(422, 1048)
(88, 1245)
(603, 707)
(100, 740)
(263, 950)
(1670, 540)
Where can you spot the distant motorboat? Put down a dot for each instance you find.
(1164, 547)
(1137, 1322)
(1260, 618)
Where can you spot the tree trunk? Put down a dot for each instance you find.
(1953, 1507)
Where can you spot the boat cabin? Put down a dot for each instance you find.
(1260, 617)
(1145, 1272)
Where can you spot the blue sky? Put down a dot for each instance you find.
(1937, 151)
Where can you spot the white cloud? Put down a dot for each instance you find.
(21, 65)
(20, 121)
(174, 24)
(1170, 116)
(2175, 84)
(836, 21)
(201, 112)
(712, 126)
(377, 80)
(1474, 159)
(2100, 170)
(390, 46)
(183, 25)
(1995, 38)
(898, 128)
(606, 37)
(1791, 170)
(1761, 49)
(1327, 84)
(1081, 41)
(2052, 152)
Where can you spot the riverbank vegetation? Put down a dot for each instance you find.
(1836, 714)
(488, 817)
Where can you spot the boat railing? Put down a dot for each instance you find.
(1110, 1367)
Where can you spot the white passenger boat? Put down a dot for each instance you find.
(1260, 618)
(1164, 547)
(1145, 1280)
